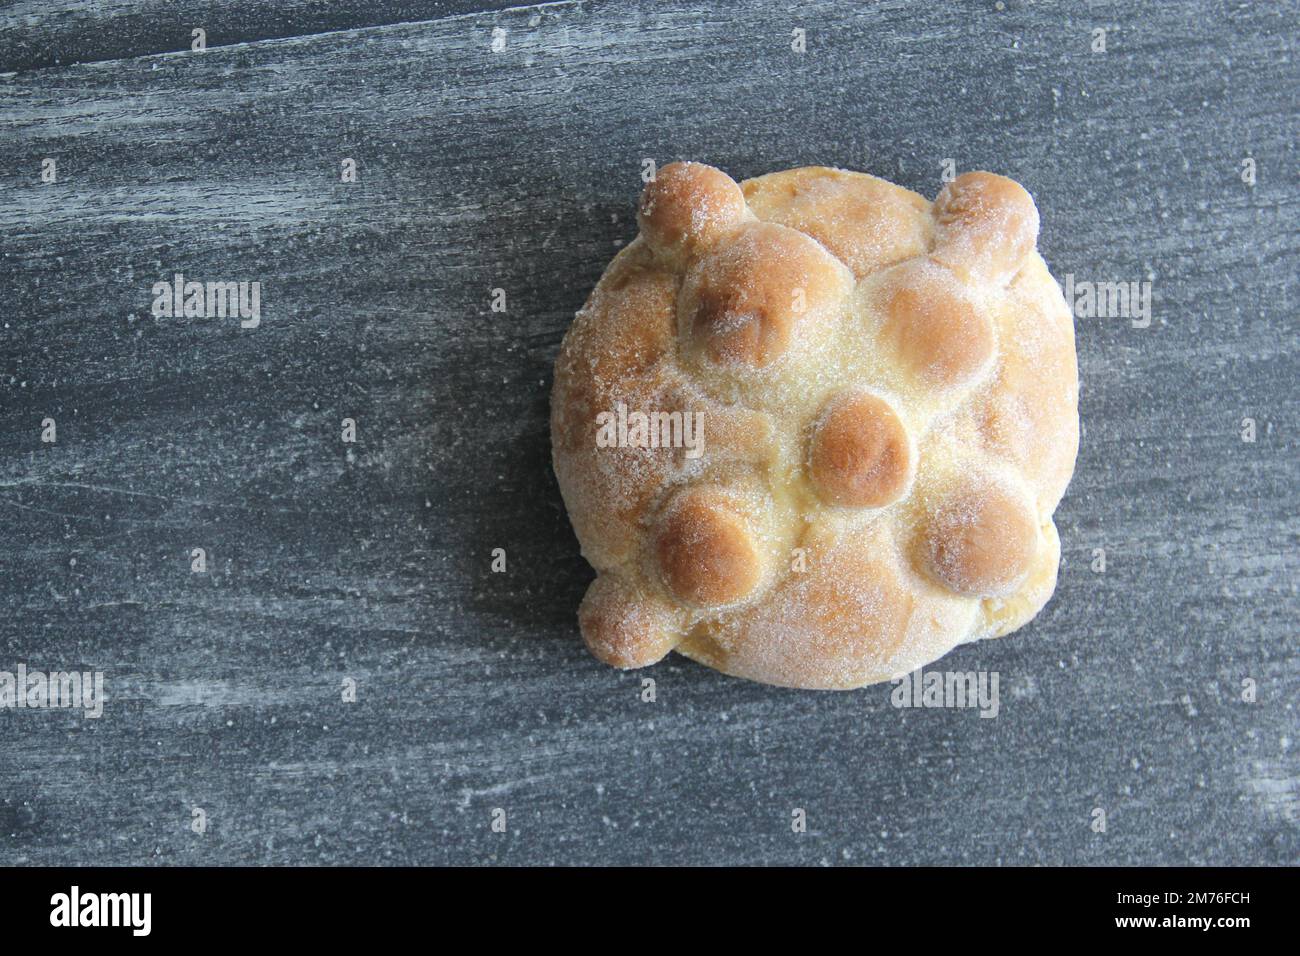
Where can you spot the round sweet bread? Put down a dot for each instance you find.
(811, 428)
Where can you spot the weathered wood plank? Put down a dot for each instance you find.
(519, 171)
(35, 34)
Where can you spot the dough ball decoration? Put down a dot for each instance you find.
(888, 395)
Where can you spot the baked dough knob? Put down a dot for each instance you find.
(706, 550)
(937, 329)
(985, 225)
(860, 455)
(623, 628)
(689, 206)
(981, 541)
(749, 299)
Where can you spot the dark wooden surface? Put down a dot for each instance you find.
(520, 170)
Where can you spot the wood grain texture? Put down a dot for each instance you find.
(520, 171)
(44, 33)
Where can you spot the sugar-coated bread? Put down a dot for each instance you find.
(811, 428)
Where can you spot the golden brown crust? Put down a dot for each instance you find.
(888, 401)
(860, 454)
(705, 550)
(745, 301)
(866, 222)
(623, 628)
(688, 206)
(835, 625)
(935, 326)
(985, 225)
(982, 539)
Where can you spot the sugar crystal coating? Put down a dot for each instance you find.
(860, 454)
(936, 327)
(705, 551)
(876, 415)
(986, 224)
(981, 541)
(688, 205)
(746, 299)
